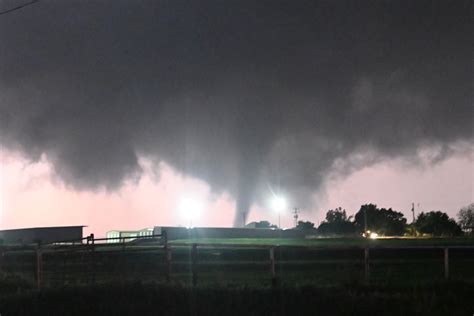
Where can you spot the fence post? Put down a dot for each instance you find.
(39, 266)
(446, 263)
(272, 266)
(367, 264)
(194, 263)
(164, 234)
(168, 263)
(92, 257)
(64, 268)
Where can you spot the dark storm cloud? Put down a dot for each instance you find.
(243, 94)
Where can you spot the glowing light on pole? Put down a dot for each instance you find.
(278, 204)
(190, 209)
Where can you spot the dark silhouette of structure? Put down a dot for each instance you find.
(43, 235)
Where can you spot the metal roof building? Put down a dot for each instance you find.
(226, 232)
(127, 235)
(41, 234)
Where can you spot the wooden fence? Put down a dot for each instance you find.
(90, 244)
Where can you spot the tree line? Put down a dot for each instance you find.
(388, 222)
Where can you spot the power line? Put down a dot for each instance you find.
(18, 7)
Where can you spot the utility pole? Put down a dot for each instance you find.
(413, 211)
(365, 220)
(295, 215)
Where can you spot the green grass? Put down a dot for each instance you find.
(332, 242)
(442, 298)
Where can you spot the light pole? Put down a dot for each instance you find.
(190, 209)
(278, 204)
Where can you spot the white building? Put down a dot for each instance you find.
(127, 235)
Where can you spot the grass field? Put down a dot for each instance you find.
(442, 298)
(334, 242)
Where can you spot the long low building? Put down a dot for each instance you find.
(174, 233)
(44, 235)
(115, 236)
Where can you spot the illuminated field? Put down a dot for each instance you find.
(334, 242)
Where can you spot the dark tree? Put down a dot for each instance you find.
(466, 218)
(337, 223)
(336, 216)
(382, 221)
(305, 225)
(341, 228)
(264, 224)
(437, 223)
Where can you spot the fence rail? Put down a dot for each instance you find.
(95, 248)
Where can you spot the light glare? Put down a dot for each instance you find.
(190, 209)
(278, 203)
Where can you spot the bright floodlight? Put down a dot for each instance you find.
(374, 235)
(278, 203)
(190, 209)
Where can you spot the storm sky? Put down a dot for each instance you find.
(249, 97)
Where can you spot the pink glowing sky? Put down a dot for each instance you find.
(32, 196)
